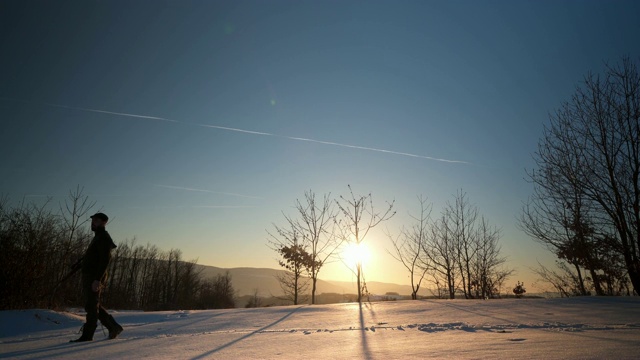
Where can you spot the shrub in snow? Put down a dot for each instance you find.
(519, 290)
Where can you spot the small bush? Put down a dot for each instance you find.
(519, 290)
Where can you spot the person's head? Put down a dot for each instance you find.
(98, 220)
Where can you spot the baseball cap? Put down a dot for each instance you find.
(100, 216)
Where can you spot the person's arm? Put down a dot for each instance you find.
(103, 258)
(104, 246)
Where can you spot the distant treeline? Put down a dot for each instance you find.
(144, 277)
(38, 247)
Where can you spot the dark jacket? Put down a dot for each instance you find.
(97, 257)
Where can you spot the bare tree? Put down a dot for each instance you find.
(462, 229)
(591, 148)
(557, 216)
(297, 260)
(314, 225)
(29, 239)
(440, 251)
(217, 293)
(490, 272)
(74, 237)
(255, 300)
(462, 252)
(294, 258)
(359, 217)
(409, 246)
(563, 279)
(75, 212)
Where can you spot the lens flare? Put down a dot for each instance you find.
(229, 29)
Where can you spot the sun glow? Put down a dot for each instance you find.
(355, 254)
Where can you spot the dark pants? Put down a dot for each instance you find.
(92, 305)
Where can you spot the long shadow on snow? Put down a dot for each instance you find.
(231, 343)
(65, 348)
(366, 353)
(188, 321)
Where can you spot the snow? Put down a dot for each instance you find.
(584, 328)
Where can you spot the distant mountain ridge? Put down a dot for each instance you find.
(247, 280)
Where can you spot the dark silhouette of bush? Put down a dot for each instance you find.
(519, 290)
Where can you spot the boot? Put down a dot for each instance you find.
(114, 328)
(87, 333)
(110, 323)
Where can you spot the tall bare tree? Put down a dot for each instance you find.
(29, 238)
(462, 229)
(358, 218)
(551, 216)
(75, 235)
(462, 252)
(314, 224)
(75, 212)
(440, 251)
(591, 148)
(409, 246)
(489, 265)
(297, 260)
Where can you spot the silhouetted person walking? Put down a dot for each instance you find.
(94, 276)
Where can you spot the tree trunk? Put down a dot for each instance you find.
(313, 290)
(583, 291)
(635, 279)
(295, 289)
(359, 285)
(452, 290)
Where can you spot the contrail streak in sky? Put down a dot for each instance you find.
(254, 133)
(234, 129)
(111, 112)
(374, 149)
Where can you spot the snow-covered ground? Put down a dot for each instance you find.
(578, 328)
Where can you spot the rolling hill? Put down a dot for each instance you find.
(246, 281)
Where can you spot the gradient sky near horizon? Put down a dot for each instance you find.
(196, 124)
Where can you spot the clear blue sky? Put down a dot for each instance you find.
(470, 81)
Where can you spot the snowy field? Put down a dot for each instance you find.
(577, 328)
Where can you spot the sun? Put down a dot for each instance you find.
(354, 254)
